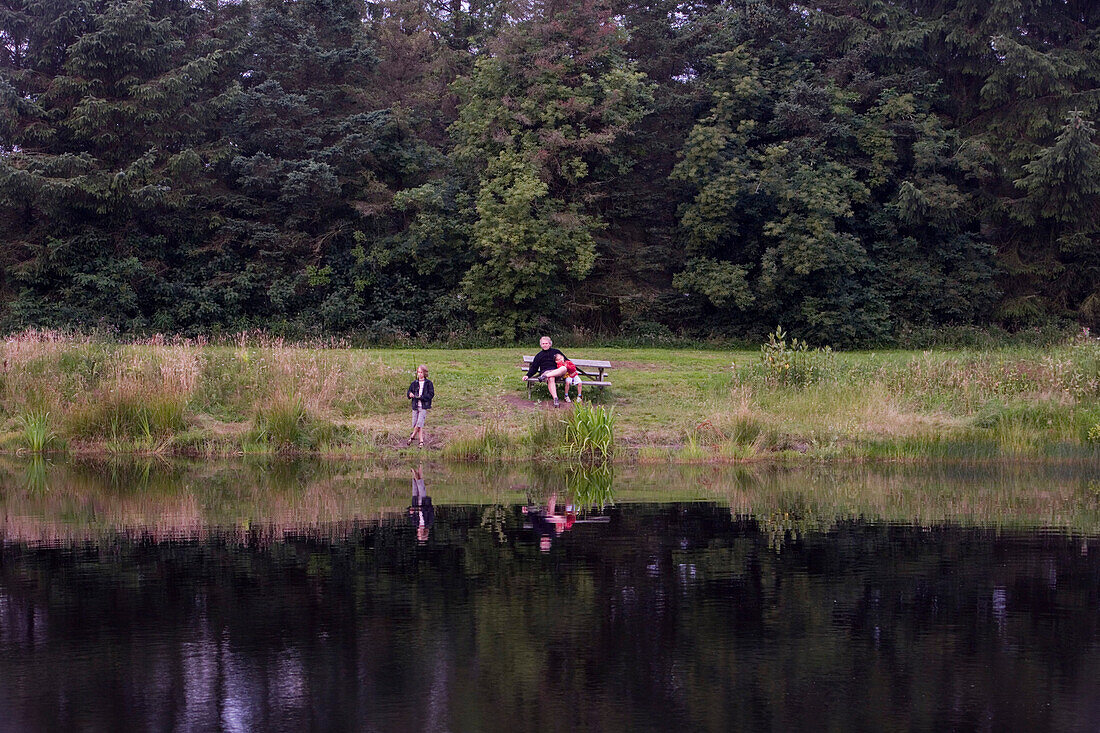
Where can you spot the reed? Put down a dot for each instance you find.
(36, 433)
(590, 432)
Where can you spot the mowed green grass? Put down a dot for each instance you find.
(668, 404)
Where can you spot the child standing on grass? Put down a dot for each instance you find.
(571, 375)
(421, 393)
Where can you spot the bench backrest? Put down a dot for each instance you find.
(596, 363)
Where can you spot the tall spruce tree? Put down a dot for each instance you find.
(306, 219)
(1013, 70)
(1062, 185)
(110, 118)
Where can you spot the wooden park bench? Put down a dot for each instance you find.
(593, 373)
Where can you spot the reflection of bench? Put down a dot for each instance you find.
(593, 373)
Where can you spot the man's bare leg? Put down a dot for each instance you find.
(552, 382)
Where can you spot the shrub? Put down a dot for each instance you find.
(794, 364)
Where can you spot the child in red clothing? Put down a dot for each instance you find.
(571, 376)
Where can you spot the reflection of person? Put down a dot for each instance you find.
(545, 366)
(421, 511)
(571, 375)
(551, 522)
(421, 393)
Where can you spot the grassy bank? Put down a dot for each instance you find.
(60, 393)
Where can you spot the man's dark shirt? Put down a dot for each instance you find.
(544, 361)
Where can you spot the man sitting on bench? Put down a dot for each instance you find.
(545, 366)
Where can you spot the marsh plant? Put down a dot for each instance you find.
(129, 409)
(590, 432)
(36, 433)
(489, 443)
(545, 435)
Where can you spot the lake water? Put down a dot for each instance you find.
(275, 596)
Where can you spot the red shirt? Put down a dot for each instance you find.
(570, 370)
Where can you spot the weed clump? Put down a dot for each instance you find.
(489, 443)
(794, 364)
(127, 411)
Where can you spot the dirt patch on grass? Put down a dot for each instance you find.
(519, 402)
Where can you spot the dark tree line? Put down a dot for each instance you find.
(441, 169)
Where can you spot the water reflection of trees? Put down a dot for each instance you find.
(676, 615)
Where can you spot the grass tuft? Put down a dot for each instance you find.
(36, 434)
(130, 411)
(489, 443)
(283, 425)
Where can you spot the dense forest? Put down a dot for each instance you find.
(482, 169)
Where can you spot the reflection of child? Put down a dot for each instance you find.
(571, 376)
(421, 512)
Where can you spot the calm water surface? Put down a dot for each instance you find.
(424, 598)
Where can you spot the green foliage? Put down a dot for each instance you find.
(36, 433)
(397, 170)
(537, 121)
(529, 242)
(794, 364)
(1022, 78)
(822, 201)
(590, 432)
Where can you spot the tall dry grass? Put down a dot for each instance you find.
(103, 390)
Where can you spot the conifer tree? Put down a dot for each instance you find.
(1013, 70)
(110, 121)
(306, 218)
(1062, 185)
